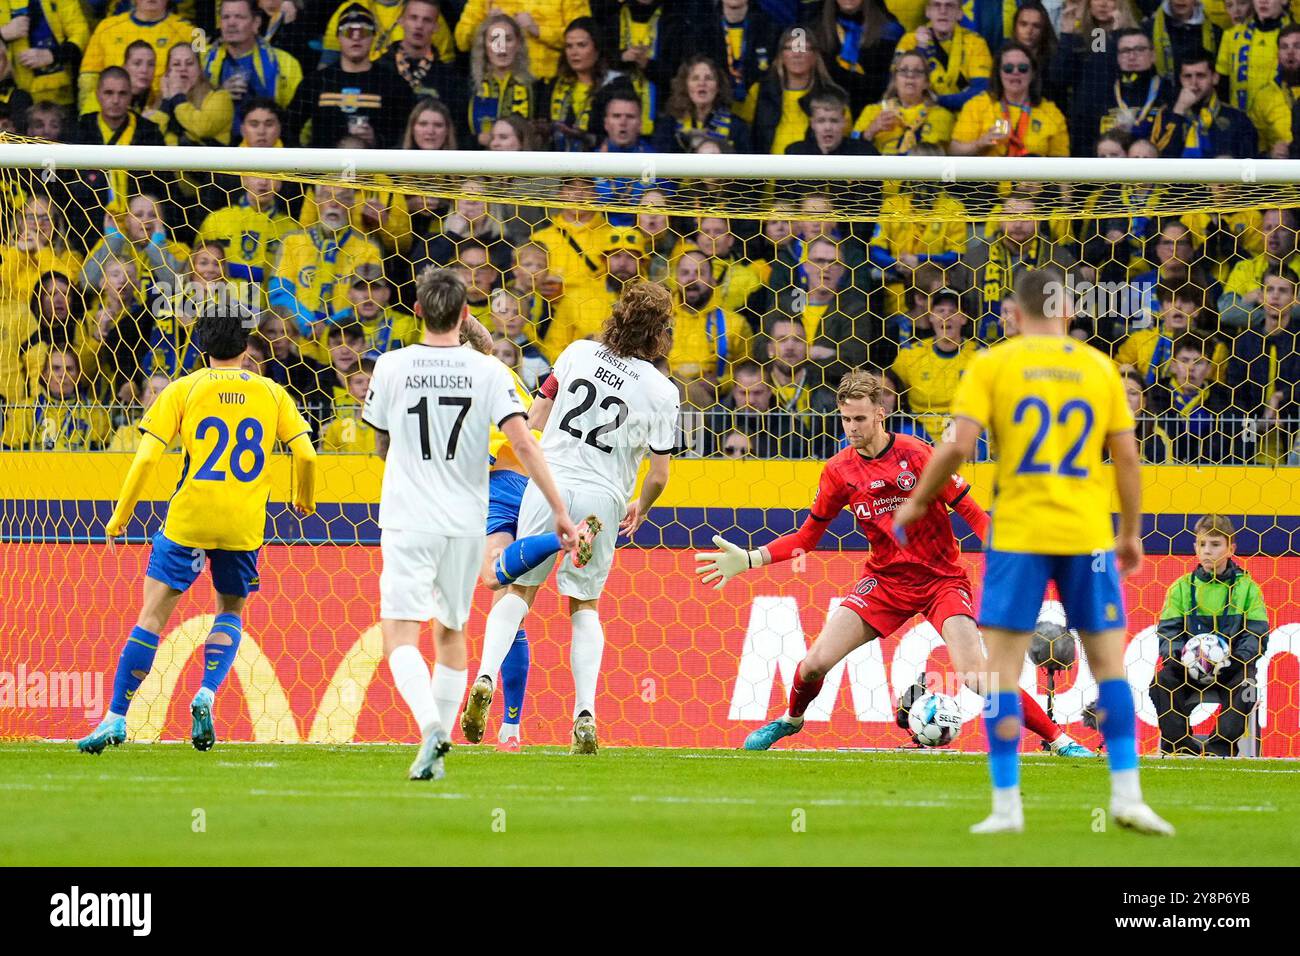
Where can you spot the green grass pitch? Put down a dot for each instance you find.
(352, 806)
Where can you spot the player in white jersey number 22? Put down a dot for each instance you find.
(612, 408)
(432, 405)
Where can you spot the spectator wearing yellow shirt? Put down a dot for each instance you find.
(306, 279)
(349, 432)
(1148, 351)
(1248, 51)
(61, 415)
(190, 112)
(126, 438)
(46, 48)
(544, 25)
(39, 245)
(707, 338)
(909, 114)
(1243, 290)
(575, 239)
(1012, 118)
(251, 228)
(922, 224)
(1271, 106)
(958, 59)
(149, 20)
(773, 107)
(930, 370)
(581, 314)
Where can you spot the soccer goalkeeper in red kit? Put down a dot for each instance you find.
(872, 477)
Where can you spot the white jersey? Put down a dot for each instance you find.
(609, 412)
(437, 404)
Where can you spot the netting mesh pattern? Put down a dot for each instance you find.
(778, 290)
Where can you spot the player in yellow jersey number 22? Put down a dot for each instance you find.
(228, 421)
(1052, 407)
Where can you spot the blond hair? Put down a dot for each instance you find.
(859, 383)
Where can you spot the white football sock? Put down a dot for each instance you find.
(1062, 739)
(448, 688)
(584, 657)
(499, 634)
(1006, 801)
(411, 675)
(1124, 786)
(507, 731)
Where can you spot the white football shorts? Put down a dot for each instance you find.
(428, 576)
(535, 517)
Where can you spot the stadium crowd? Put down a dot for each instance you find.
(102, 273)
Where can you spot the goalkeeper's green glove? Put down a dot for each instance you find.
(723, 565)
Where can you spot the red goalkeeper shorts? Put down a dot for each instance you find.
(887, 605)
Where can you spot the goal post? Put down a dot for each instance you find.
(785, 272)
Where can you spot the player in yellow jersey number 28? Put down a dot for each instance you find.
(228, 421)
(1052, 407)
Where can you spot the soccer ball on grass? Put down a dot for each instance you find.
(934, 719)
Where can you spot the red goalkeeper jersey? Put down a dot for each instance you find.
(873, 489)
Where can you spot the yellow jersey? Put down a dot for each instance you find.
(1048, 404)
(314, 267)
(923, 123)
(108, 43)
(349, 432)
(1248, 58)
(965, 58)
(793, 126)
(252, 238)
(930, 377)
(21, 268)
(1036, 131)
(228, 421)
(52, 424)
(1248, 274)
(500, 452)
(1148, 352)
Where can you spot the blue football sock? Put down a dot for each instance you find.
(514, 677)
(217, 658)
(1004, 749)
(1118, 723)
(137, 655)
(524, 555)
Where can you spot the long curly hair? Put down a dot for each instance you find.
(641, 323)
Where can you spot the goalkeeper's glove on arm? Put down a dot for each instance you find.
(724, 564)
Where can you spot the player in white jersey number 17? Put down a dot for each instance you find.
(432, 405)
(612, 408)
